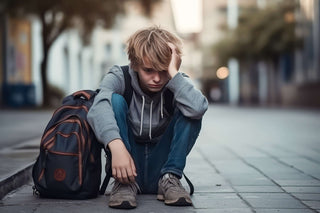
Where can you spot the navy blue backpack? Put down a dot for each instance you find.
(69, 161)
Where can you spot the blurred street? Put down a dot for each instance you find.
(246, 159)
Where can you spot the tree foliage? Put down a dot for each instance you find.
(57, 16)
(261, 34)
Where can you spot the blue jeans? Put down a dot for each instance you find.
(152, 160)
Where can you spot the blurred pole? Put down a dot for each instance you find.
(263, 82)
(316, 35)
(2, 52)
(233, 64)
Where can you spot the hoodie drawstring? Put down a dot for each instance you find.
(141, 118)
(151, 108)
(161, 105)
(150, 123)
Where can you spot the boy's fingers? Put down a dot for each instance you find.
(118, 175)
(172, 46)
(114, 172)
(133, 167)
(124, 175)
(130, 175)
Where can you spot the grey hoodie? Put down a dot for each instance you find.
(147, 116)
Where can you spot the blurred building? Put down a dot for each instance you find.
(21, 55)
(17, 85)
(292, 81)
(72, 66)
(302, 85)
(218, 15)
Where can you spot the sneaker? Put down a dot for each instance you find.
(171, 191)
(123, 196)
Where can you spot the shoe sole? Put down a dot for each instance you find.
(123, 205)
(178, 202)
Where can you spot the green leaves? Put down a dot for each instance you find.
(261, 34)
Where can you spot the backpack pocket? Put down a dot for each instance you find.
(62, 158)
(65, 173)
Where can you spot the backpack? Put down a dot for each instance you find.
(69, 161)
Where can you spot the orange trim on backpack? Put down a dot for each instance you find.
(81, 92)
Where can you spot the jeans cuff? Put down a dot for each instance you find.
(176, 172)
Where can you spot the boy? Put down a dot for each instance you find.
(148, 144)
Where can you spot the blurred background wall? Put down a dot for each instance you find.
(233, 50)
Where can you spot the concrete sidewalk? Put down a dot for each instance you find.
(245, 160)
(20, 132)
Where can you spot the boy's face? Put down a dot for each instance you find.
(151, 80)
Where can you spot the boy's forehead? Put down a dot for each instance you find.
(146, 63)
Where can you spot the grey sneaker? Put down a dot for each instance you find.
(123, 196)
(171, 191)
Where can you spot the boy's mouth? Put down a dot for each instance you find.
(155, 85)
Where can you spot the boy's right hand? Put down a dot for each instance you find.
(123, 168)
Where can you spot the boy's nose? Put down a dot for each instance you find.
(156, 77)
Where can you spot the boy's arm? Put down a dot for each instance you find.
(101, 119)
(189, 100)
(123, 168)
(101, 116)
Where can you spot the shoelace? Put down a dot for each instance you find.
(173, 182)
(118, 187)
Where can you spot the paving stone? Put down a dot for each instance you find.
(299, 182)
(305, 165)
(309, 189)
(234, 167)
(214, 189)
(284, 211)
(249, 180)
(272, 200)
(229, 210)
(306, 196)
(218, 201)
(262, 189)
(315, 204)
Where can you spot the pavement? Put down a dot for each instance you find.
(262, 160)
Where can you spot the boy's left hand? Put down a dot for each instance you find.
(175, 62)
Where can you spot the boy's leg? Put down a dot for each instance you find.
(169, 154)
(120, 109)
(124, 195)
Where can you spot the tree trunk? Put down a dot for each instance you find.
(45, 50)
(50, 32)
(44, 80)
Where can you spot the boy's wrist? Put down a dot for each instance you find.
(172, 73)
(114, 144)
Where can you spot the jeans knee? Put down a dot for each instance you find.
(118, 103)
(189, 124)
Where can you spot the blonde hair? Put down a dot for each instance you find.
(150, 46)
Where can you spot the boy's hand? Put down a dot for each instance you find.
(175, 61)
(123, 168)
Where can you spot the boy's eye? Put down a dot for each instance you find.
(148, 69)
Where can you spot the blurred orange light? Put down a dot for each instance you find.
(222, 72)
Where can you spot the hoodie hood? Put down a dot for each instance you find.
(147, 113)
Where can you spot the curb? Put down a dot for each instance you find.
(16, 180)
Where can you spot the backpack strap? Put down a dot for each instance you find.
(168, 95)
(189, 183)
(127, 82)
(108, 172)
(168, 101)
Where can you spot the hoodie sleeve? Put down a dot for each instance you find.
(101, 115)
(189, 100)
